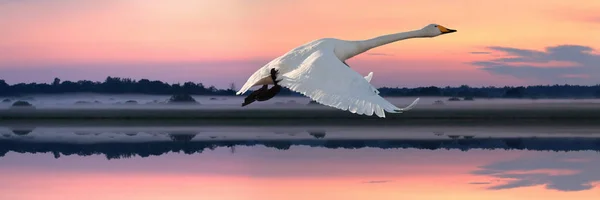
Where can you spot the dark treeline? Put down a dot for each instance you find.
(539, 91)
(182, 144)
(115, 85)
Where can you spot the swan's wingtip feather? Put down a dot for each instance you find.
(241, 92)
(409, 107)
(413, 104)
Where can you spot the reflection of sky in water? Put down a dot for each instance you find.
(306, 173)
(559, 171)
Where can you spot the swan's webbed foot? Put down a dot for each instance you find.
(255, 95)
(274, 76)
(269, 94)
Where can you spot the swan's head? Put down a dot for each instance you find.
(433, 30)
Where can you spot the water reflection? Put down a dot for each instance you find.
(565, 172)
(183, 143)
(314, 163)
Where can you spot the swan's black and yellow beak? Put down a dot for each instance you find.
(445, 30)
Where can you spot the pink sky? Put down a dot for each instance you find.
(218, 42)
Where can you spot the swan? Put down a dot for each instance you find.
(318, 70)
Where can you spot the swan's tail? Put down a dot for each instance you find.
(409, 107)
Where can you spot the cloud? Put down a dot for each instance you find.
(564, 172)
(378, 181)
(379, 54)
(563, 64)
(480, 52)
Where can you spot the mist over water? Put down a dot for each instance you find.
(85, 100)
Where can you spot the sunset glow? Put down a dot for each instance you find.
(218, 42)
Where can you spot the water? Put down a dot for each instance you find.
(192, 162)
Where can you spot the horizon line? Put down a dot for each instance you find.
(183, 82)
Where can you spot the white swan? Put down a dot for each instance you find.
(318, 70)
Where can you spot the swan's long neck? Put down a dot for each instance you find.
(365, 45)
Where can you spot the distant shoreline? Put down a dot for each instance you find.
(117, 85)
(28, 96)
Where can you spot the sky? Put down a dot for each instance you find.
(305, 173)
(498, 43)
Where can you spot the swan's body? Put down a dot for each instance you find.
(318, 70)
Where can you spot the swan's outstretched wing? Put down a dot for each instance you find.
(325, 79)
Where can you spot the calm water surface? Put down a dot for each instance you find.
(299, 163)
